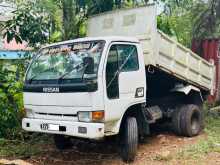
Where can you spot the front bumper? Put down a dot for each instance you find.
(93, 130)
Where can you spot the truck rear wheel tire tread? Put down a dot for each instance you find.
(191, 120)
(129, 140)
(176, 121)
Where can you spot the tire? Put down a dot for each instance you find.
(61, 142)
(129, 139)
(203, 118)
(176, 121)
(191, 120)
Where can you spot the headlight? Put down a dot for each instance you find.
(92, 116)
(84, 116)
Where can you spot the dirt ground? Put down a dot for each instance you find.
(160, 148)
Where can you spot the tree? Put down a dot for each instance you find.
(54, 20)
(28, 24)
(53, 10)
(69, 19)
(207, 19)
(44, 21)
(176, 20)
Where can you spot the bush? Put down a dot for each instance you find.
(11, 84)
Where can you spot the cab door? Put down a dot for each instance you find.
(124, 79)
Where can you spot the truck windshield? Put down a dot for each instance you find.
(65, 61)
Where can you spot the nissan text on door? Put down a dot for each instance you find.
(119, 80)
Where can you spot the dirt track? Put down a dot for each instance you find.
(159, 149)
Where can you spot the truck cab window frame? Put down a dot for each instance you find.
(125, 60)
(112, 67)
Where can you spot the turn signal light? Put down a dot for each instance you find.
(98, 116)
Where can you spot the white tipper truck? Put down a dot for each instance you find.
(123, 77)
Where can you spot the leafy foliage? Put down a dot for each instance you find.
(177, 21)
(54, 20)
(28, 24)
(207, 19)
(189, 19)
(164, 24)
(11, 105)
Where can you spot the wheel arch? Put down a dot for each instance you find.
(135, 110)
(192, 94)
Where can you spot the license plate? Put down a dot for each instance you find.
(50, 127)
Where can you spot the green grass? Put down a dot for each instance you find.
(23, 148)
(209, 144)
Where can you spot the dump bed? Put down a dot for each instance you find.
(159, 50)
(183, 63)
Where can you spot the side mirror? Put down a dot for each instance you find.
(88, 62)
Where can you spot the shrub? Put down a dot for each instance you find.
(11, 84)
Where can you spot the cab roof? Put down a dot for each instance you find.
(108, 39)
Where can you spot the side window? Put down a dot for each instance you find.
(124, 57)
(128, 57)
(111, 73)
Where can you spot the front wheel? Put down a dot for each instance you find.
(129, 139)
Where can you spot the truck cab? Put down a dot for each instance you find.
(61, 96)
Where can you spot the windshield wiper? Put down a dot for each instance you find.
(66, 73)
(34, 76)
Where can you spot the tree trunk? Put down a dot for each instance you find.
(69, 19)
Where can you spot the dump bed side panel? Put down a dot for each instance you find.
(136, 22)
(183, 63)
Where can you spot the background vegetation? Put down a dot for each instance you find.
(11, 102)
(42, 21)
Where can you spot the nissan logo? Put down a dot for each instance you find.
(51, 90)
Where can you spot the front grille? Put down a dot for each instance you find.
(55, 114)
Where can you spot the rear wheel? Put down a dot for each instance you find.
(191, 120)
(129, 139)
(61, 142)
(176, 121)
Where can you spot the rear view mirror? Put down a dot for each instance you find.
(89, 65)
